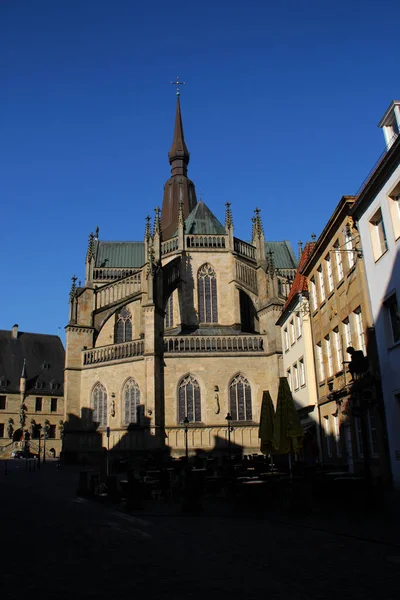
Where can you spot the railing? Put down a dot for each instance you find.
(213, 437)
(114, 352)
(202, 343)
(246, 275)
(104, 274)
(119, 290)
(169, 246)
(205, 241)
(244, 249)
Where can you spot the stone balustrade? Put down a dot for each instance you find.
(218, 343)
(113, 352)
(205, 241)
(118, 290)
(244, 249)
(169, 246)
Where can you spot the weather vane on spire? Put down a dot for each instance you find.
(178, 83)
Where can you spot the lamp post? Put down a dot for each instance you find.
(38, 427)
(186, 423)
(229, 420)
(45, 434)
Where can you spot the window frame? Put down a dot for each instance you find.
(302, 372)
(321, 284)
(207, 294)
(247, 401)
(338, 261)
(378, 234)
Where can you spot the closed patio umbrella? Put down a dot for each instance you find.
(288, 432)
(266, 429)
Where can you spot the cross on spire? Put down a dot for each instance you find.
(178, 83)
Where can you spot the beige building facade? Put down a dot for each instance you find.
(31, 393)
(170, 335)
(350, 410)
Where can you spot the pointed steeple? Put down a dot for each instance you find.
(179, 154)
(178, 188)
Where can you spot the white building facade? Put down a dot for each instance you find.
(377, 216)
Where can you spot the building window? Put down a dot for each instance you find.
(313, 294)
(169, 312)
(328, 349)
(1, 430)
(348, 246)
(189, 400)
(394, 205)
(360, 330)
(124, 326)
(378, 235)
(289, 378)
(338, 349)
(359, 442)
(329, 272)
(328, 437)
(346, 332)
(38, 404)
(99, 403)
(298, 325)
(3, 402)
(286, 338)
(292, 333)
(321, 284)
(393, 318)
(240, 399)
(373, 439)
(52, 432)
(53, 405)
(131, 396)
(295, 377)
(320, 362)
(336, 425)
(302, 372)
(338, 261)
(207, 286)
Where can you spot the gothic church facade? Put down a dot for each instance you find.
(178, 330)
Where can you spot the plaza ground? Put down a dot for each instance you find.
(58, 544)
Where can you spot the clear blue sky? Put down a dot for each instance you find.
(280, 111)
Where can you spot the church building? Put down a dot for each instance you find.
(173, 339)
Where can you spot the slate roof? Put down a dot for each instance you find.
(44, 356)
(119, 254)
(202, 220)
(284, 257)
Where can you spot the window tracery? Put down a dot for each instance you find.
(207, 294)
(240, 399)
(123, 330)
(131, 396)
(99, 403)
(189, 400)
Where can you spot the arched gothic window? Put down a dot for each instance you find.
(240, 399)
(169, 312)
(131, 396)
(123, 331)
(207, 286)
(189, 400)
(99, 403)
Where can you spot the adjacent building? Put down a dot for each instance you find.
(170, 335)
(351, 422)
(31, 391)
(298, 356)
(376, 212)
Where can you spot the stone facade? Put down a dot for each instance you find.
(350, 412)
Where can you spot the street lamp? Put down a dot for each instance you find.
(46, 428)
(186, 423)
(229, 420)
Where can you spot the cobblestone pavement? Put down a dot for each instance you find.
(55, 544)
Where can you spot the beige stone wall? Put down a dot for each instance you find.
(107, 333)
(13, 403)
(211, 371)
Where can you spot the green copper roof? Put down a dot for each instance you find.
(120, 254)
(284, 257)
(202, 220)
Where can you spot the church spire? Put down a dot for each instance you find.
(178, 188)
(179, 154)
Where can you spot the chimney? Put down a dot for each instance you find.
(14, 332)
